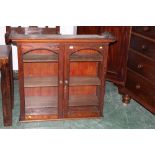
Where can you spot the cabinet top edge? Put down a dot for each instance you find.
(107, 38)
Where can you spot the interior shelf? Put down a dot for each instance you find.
(83, 100)
(86, 57)
(40, 58)
(83, 81)
(40, 81)
(41, 105)
(41, 101)
(30, 82)
(41, 111)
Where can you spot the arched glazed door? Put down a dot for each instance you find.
(42, 82)
(84, 79)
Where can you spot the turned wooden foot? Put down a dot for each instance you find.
(126, 98)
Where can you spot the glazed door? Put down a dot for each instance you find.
(41, 78)
(83, 80)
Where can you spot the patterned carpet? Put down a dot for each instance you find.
(116, 116)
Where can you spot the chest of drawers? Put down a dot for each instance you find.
(140, 78)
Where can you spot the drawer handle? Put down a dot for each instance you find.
(100, 47)
(138, 86)
(139, 66)
(144, 47)
(71, 47)
(146, 28)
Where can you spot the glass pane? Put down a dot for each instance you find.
(41, 82)
(84, 83)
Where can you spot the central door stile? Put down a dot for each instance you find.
(66, 81)
(61, 82)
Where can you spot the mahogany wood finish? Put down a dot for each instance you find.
(61, 76)
(146, 31)
(117, 52)
(6, 83)
(140, 82)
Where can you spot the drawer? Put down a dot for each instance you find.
(141, 88)
(143, 46)
(148, 31)
(142, 65)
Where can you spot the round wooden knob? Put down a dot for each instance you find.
(71, 47)
(146, 28)
(139, 66)
(137, 86)
(60, 82)
(144, 47)
(66, 81)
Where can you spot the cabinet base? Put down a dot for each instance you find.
(58, 119)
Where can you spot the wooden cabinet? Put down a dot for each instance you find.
(117, 58)
(140, 82)
(61, 76)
